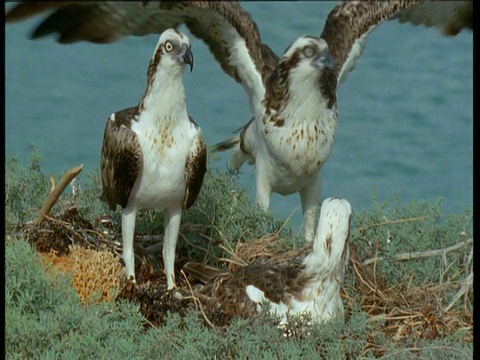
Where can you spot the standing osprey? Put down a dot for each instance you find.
(154, 154)
(294, 121)
(308, 285)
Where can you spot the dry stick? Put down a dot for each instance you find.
(52, 182)
(466, 285)
(376, 261)
(422, 254)
(242, 264)
(185, 228)
(145, 238)
(190, 287)
(389, 222)
(236, 259)
(57, 191)
(196, 300)
(469, 260)
(284, 225)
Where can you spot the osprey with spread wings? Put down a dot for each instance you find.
(292, 97)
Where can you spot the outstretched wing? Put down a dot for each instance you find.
(227, 29)
(121, 158)
(349, 24)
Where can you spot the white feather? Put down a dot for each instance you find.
(321, 296)
(356, 52)
(166, 137)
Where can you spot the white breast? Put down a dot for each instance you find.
(297, 150)
(161, 182)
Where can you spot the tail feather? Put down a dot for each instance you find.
(238, 156)
(243, 146)
(227, 144)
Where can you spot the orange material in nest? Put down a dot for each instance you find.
(96, 274)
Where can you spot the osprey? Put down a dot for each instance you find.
(294, 122)
(154, 154)
(309, 285)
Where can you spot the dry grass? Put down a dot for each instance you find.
(403, 311)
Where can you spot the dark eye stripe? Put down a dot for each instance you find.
(308, 51)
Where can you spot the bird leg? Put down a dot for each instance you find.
(310, 196)
(172, 226)
(263, 188)
(128, 229)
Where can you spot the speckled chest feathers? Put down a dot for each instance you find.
(300, 121)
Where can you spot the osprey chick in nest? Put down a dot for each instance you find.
(309, 285)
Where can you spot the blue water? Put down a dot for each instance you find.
(406, 111)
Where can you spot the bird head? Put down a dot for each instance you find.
(298, 73)
(174, 50)
(307, 57)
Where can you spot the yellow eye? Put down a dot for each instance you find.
(168, 46)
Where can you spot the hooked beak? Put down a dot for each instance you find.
(188, 58)
(327, 60)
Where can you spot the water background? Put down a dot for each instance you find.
(406, 111)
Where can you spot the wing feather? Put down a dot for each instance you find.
(227, 29)
(349, 24)
(121, 158)
(195, 169)
(450, 17)
(26, 10)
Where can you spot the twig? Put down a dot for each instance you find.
(185, 228)
(285, 223)
(230, 261)
(469, 260)
(52, 182)
(146, 238)
(192, 228)
(196, 301)
(236, 260)
(155, 248)
(361, 278)
(422, 254)
(57, 191)
(377, 247)
(466, 284)
(389, 222)
(65, 224)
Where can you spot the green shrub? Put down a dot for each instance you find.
(45, 318)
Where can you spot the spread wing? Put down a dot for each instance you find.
(195, 169)
(121, 158)
(227, 29)
(349, 24)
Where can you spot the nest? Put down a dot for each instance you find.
(93, 254)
